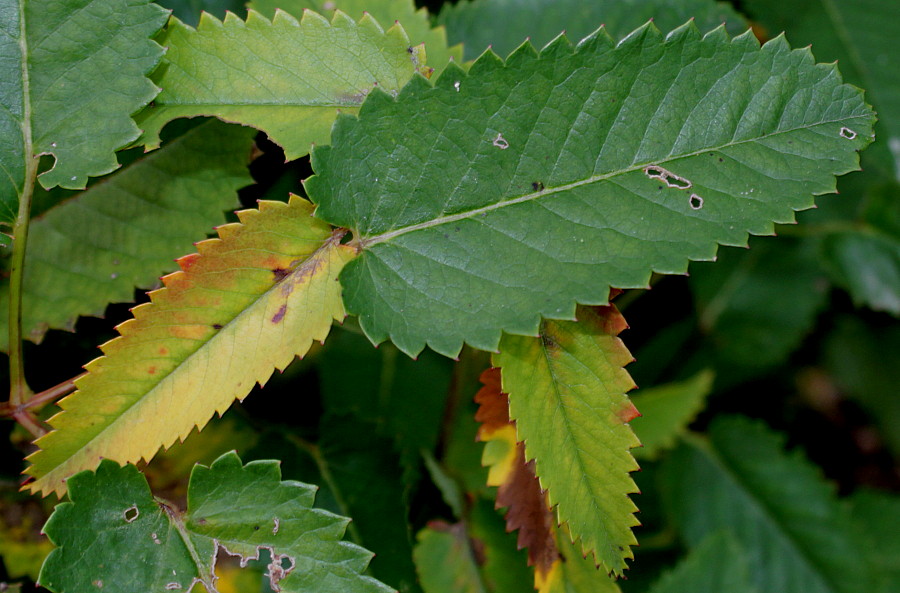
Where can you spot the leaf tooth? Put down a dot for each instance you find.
(598, 41)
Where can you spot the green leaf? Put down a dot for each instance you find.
(666, 410)
(365, 475)
(718, 564)
(505, 24)
(852, 33)
(576, 574)
(878, 513)
(415, 21)
(404, 398)
(445, 560)
(758, 305)
(266, 288)
(567, 396)
(126, 231)
(465, 225)
(188, 11)
(115, 536)
(73, 73)
(776, 505)
(286, 77)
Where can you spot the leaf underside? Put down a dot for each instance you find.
(574, 170)
(567, 396)
(73, 73)
(286, 77)
(115, 536)
(266, 288)
(126, 231)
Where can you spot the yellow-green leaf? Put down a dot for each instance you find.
(245, 304)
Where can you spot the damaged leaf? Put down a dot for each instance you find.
(547, 192)
(115, 536)
(266, 288)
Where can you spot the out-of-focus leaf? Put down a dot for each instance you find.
(72, 72)
(445, 560)
(286, 77)
(505, 24)
(758, 305)
(23, 546)
(404, 398)
(857, 356)
(666, 410)
(127, 230)
(588, 134)
(115, 536)
(415, 21)
(866, 260)
(855, 35)
(567, 396)
(504, 568)
(717, 564)
(797, 536)
(245, 304)
(365, 474)
(188, 11)
(878, 514)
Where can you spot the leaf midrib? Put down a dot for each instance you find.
(365, 243)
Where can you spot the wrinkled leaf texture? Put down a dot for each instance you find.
(574, 170)
(115, 536)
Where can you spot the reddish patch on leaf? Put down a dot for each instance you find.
(528, 510)
(151, 371)
(279, 315)
(163, 351)
(187, 261)
(627, 412)
(280, 274)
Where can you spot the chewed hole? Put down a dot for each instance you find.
(696, 202)
(667, 177)
(131, 513)
(500, 142)
(287, 564)
(848, 133)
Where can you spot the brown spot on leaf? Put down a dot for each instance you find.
(217, 326)
(279, 315)
(151, 371)
(280, 273)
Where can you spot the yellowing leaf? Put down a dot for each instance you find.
(567, 396)
(245, 304)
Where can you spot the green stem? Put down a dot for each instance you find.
(19, 392)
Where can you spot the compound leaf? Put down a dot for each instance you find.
(286, 77)
(115, 536)
(125, 231)
(797, 536)
(73, 72)
(574, 170)
(505, 24)
(567, 396)
(247, 303)
(415, 21)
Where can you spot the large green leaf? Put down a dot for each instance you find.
(265, 289)
(115, 536)
(127, 230)
(573, 170)
(717, 565)
(567, 396)
(853, 33)
(72, 74)
(415, 21)
(286, 77)
(798, 538)
(877, 513)
(505, 24)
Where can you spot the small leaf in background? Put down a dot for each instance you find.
(115, 536)
(567, 397)
(446, 561)
(466, 225)
(666, 412)
(798, 537)
(265, 289)
(415, 21)
(854, 35)
(73, 73)
(717, 565)
(404, 398)
(364, 473)
(125, 231)
(758, 305)
(286, 77)
(23, 546)
(505, 24)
